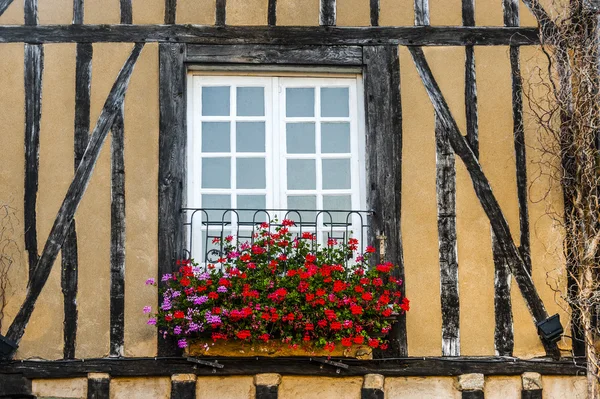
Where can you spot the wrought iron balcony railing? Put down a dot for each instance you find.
(205, 224)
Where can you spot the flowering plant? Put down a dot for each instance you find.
(282, 289)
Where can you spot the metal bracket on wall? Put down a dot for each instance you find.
(338, 365)
(214, 365)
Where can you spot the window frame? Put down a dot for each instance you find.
(380, 69)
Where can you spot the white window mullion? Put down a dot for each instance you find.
(274, 145)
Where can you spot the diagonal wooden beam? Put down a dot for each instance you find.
(73, 197)
(484, 192)
(541, 15)
(4, 5)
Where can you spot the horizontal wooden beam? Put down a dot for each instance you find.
(316, 35)
(166, 366)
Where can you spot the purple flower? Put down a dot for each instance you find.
(150, 281)
(222, 289)
(211, 319)
(166, 277)
(193, 327)
(204, 276)
(147, 309)
(177, 330)
(200, 300)
(233, 255)
(175, 294)
(166, 305)
(182, 343)
(151, 321)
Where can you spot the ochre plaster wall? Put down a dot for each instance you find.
(325, 387)
(225, 387)
(419, 224)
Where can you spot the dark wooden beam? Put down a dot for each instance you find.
(78, 12)
(183, 386)
(285, 35)
(421, 367)
(261, 54)
(73, 197)
(375, 8)
(272, 13)
(542, 16)
(369, 393)
(472, 395)
(69, 257)
(98, 386)
(4, 5)
(504, 337)
(15, 386)
(221, 13)
(31, 12)
(448, 245)
(171, 167)
(126, 12)
(468, 12)
(327, 13)
(384, 165)
(34, 69)
(487, 198)
(117, 237)
(421, 12)
(170, 12)
(532, 394)
(266, 392)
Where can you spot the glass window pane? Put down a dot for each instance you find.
(216, 172)
(215, 137)
(255, 202)
(302, 202)
(300, 138)
(301, 174)
(215, 101)
(251, 173)
(335, 138)
(336, 174)
(300, 102)
(335, 102)
(250, 101)
(220, 202)
(250, 137)
(337, 203)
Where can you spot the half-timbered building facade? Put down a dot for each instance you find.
(126, 125)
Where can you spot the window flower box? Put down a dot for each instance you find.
(278, 293)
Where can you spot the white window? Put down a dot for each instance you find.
(274, 143)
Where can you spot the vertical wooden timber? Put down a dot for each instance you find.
(126, 12)
(34, 67)
(171, 169)
(384, 158)
(170, 11)
(183, 386)
(486, 197)
(31, 12)
(73, 197)
(448, 249)
(98, 386)
(4, 5)
(421, 12)
(272, 13)
(375, 8)
(117, 238)
(77, 12)
(327, 14)
(221, 13)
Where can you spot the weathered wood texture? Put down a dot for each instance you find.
(327, 14)
(171, 169)
(448, 245)
(4, 5)
(265, 392)
(221, 13)
(472, 395)
(78, 12)
(126, 12)
(147, 367)
(15, 386)
(374, 10)
(471, 100)
(69, 257)
(468, 12)
(117, 237)
(73, 197)
(383, 165)
(260, 54)
(405, 35)
(272, 13)
(183, 389)
(31, 12)
(170, 11)
(369, 393)
(98, 388)
(533, 394)
(421, 12)
(34, 68)
(484, 192)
